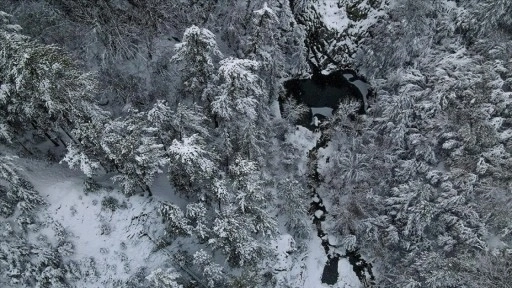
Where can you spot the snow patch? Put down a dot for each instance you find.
(319, 214)
(117, 237)
(324, 111)
(304, 140)
(347, 278)
(333, 14)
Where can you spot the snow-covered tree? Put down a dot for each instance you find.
(189, 120)
(191, 164)
(176, 222)
(264, 47)
(250, 195)
(42, 88)
(293, 206)
(15, 191)
(293, 111)
(26, 257)
(419, 24)
(238, 91)
(233, 235)
(176, 123)
(164, 278)
(242, 225)
(43, 91)
(78, 159)
(492, 15)
(237, 105)
(195, 56)
(183, 133)
(197, 214)
(133, 147)
(213, 272)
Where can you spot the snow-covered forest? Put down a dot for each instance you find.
(195, 143)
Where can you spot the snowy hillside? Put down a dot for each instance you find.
(112, 231)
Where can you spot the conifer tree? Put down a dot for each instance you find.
(132, 146)
(41, 87)
(15, 191)
(164, 279)
(237, 103)
(264, 48)
(195, 57)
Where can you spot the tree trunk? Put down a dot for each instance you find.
(63, 143)
(46, 134)
(69, 135)
(149, 190)
(52, 140)
(25, 148)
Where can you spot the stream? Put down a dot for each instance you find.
(330, 274)
(322, 94)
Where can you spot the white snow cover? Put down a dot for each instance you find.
(362, 86)
(118, 243)
(325, 111)
(347, 277)
(304, 140)
(114, 239)
(305, 269)
(307, 272)
(334, 17)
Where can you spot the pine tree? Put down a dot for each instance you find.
(43, 91)
(173, 216)
(15, 191)
(493, 15)
(197, 213)
(213, 272)
(183, 135)
(133, 147)
(232, 234)
(294, 207)
(46, 91)
(164, 279)
(237, 99)
(195, 55)
(242, 224)
(264, 48)
(26, 259)
(78, 159)
(191, 164)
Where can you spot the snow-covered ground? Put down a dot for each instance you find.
(304, 140)
(324, 111)
(347, 278)
(334, 15)
(105, 226)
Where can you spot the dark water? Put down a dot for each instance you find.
(330, 274)
(323, 93)
(315, 94)
(360, 267)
